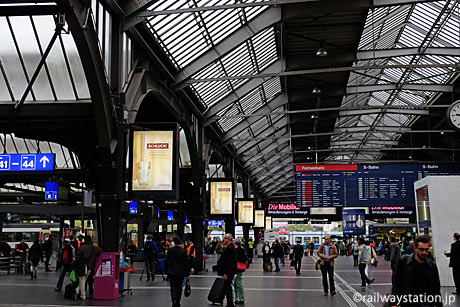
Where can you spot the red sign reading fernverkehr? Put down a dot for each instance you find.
(325, 167)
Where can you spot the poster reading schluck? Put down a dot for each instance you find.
(152, 160)
(221, 197)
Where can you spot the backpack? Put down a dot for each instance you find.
(150, 249)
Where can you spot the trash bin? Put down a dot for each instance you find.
(125, 280)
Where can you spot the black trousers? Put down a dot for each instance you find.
(362, 271)
(355, 260)
(456, 274)
(90, 283)
(150, 269)
(47, 261)
(175, 285)
(228, 291)
(297, 265)
(326, 270)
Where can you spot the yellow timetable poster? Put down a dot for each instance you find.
(153, 160)
(245, 212)
(259, 218)
(221, 197)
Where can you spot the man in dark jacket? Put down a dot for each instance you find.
(227, 267)
(297, 255)
(66, 258)
(417, 276)
(178, 269)
(21, 252)
(454, 262)
(85, 258)
(395, 253)
(150, 257)
(278, 254)
(48, 250)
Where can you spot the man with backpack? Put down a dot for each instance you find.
(191, 256)
(297, 255)
(150, 255)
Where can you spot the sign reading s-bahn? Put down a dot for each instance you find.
(286, 210)
(363, 185)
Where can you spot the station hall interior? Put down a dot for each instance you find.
(271, 120)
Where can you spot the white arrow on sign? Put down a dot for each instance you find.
(44, 160)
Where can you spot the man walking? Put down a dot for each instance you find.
(297, 255)
(21, 251)
(394, 255)
(278, 254)
(48, 250)
(150, 252)
(227, 267)
(417, 277)
(85, 258)
(454, 262)
(178, 269)
(327, 252)
(66, 258)
(362, 261)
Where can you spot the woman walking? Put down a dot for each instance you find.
(35, 254)
(241, 258)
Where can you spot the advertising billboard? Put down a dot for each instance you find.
(152, 160)
(259, 218)
(245, 211)
(268, 222)
(154, 163)
(286, 210)
(354, 221)
(221, 193)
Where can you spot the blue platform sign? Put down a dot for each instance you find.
(354, 221)
(51, 190)
(170, 216)
(27, 162)
(133, 207)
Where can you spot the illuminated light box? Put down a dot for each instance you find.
(245, 212)
(221, 196)
(259, 218)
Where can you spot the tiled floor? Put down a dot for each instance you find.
(283, 289)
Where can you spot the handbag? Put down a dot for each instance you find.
(188, 288)
(318, 264)
(73, 277)
(241, 266)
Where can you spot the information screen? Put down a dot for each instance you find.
(363, 185)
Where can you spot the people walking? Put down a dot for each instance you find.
(454, 262)
(266, 254)
(177, 268)
(191, 255)
(84, 260)
(66, 258)
(417, 276)
(327, 252)
(35, 254)
(131, 252)
(21, 252)
(297, 255)
(394, 255)
(250, 250)
(150, 252)
(371, 261)
(227, 267)
(355, 249)
(48, 250)
(241, 257)
(362, 262)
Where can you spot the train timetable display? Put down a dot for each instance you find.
(363, 185)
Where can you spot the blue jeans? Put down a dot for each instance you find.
(277, 263)
(64, 269)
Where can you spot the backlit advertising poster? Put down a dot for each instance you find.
(268, 222)
(354, 221)
(259, 218)
(152, 164)
(245, 211)
(221, 201)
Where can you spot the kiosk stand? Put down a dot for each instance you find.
(106, 278)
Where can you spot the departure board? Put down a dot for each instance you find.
(363, 185)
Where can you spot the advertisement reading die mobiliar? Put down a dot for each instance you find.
(286, 210)
(221, 197)
(152, 160)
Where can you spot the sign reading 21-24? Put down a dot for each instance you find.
(27, 162)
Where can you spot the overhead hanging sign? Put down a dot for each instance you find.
(51, 190)
(245, 211)
(27, 162)
(354, 221)
(286, 210)
(259, 218)
(152, 160)
(221, 201)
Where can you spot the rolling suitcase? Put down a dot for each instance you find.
(216, 294)
(70, 290)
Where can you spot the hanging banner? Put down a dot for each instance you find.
(152, 160)
(268, 222)
(259, 218)
(221, 201)
(245, 211)
(354, 221)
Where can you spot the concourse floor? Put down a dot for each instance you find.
(282, 289)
